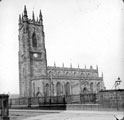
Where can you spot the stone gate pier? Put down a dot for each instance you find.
(4, 109)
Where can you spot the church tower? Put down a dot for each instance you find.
(32, 52)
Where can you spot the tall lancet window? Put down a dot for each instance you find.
(34, 40)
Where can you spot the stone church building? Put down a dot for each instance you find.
(36, 78)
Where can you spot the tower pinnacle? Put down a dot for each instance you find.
(102, 74)
(54, 64)
(33, 18)
(78, 66)
(22, 16)
(25, 17)
(62, 64)
(25, 11)
(19, 18)
(40, 18)
(97, 67)
(70, 65)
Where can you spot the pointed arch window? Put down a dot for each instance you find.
(67, 88)
(34, 89)
(91, 87)
(98, 87)
(59, 89)
(34, 40)
(85, 90)
(47, 90)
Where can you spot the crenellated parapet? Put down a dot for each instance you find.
(72, 72)
(24, 18)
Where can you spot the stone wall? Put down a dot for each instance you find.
(111, 98)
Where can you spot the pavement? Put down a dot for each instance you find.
(78, 115)
(20, 114)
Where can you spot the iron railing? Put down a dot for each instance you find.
(70, 99)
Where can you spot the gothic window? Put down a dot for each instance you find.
(98, 87)
(67, 88)
(58, 88)
(52, 89)
(47, 90)
(34, 89)
(84, 91)
(91, 87)
(34, 40)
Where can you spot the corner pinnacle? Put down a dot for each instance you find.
(25, 11)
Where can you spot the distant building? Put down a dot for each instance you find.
(38, 79)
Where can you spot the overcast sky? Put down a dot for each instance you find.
(84, 32)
